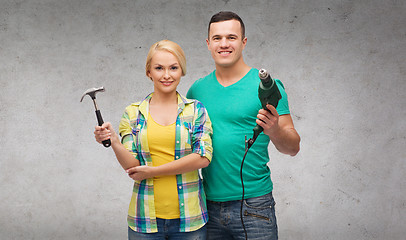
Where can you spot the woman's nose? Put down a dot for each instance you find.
(166, 74)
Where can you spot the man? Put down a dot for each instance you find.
(230, 95)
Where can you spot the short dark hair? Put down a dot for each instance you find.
(225, 16)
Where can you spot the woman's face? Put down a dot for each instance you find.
(165, 72)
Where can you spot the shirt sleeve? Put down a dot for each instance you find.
(125, 130)
(283, 105)
(202, 132)
(189, 93)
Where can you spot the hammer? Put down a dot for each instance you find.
(92, 93)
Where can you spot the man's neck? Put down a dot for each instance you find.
(227, 76)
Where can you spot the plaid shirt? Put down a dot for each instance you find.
(193, 135)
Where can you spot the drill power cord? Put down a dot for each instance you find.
(249, 144)
(268, 93)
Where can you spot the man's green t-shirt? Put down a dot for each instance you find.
(233, 111)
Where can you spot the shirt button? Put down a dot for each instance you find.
(177, 141)
(177, 157)
(180, 187)
(181, 204)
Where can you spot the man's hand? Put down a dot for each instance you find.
(269, 121)
(140, 173)
(280, 130)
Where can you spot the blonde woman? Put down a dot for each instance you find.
(166, 138)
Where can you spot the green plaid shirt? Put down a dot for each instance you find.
(193, 135)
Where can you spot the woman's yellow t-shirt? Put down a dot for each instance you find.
(161, 142)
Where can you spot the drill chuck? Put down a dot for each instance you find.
(264, 75)
(266, 79)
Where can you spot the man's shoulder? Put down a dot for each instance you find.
(202, 84)
(206, 79)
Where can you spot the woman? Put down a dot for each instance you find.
(166, 138)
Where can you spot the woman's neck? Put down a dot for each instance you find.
(164, 99)
(164, 108)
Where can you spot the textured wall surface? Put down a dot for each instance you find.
(342, 63)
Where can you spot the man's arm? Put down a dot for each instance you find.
(280, 130)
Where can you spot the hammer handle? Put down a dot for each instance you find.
(107, 142)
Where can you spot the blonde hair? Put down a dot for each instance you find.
(169, 46)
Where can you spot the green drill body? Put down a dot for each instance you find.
(268, 93)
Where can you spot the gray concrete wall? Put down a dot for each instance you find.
(342, 63)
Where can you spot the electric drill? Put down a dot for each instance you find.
(268, 93)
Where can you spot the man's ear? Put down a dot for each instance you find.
(244, 42)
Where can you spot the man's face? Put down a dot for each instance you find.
(225, 42)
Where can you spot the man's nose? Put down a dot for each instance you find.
(224, 42)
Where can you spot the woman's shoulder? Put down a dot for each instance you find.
(193, 102)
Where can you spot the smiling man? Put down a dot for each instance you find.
(230, 95)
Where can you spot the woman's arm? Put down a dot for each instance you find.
(185, 164)
(200, 158)
(124, 157)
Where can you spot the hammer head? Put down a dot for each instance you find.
(92, 92)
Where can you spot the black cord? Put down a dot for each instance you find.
(243, 193)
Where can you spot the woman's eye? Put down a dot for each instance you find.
(158, 68)
(174, 68)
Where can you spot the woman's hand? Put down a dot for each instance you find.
(140, 173)
(105, 132)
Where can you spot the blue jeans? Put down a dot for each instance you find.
(259, 219)
(168, 229)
